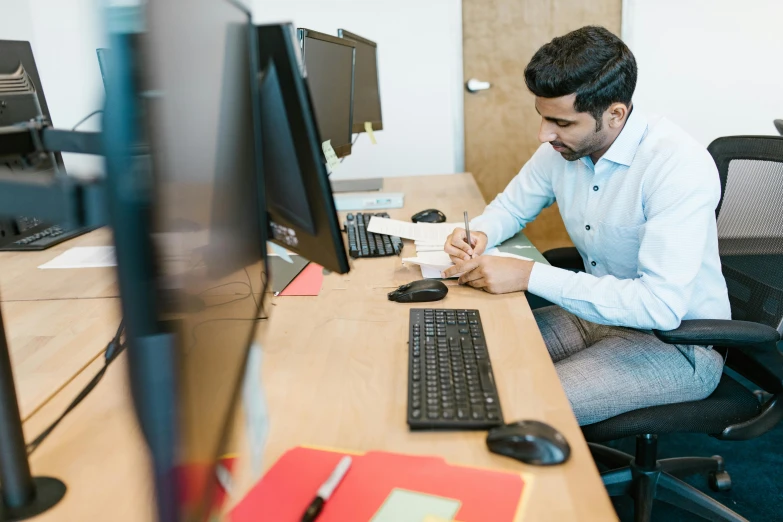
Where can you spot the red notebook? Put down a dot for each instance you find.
(289, 486)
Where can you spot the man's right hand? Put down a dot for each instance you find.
(457, 244)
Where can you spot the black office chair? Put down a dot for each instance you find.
(750, 233)
(779, 126)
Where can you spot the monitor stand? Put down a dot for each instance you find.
(356, 185)
(22, 496)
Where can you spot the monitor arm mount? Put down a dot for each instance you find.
(56, 197)
(60, 199)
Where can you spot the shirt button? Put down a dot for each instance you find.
(595, 188)
(587, 227)
(592, 263)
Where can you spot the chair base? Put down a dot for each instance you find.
(645, 478)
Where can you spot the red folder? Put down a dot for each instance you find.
(308, 282)
(290, 485)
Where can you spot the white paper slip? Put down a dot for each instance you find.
(434, 263)
(434, 259)
(432, 233)
(429, 248)
(83, 257)
(427, 272)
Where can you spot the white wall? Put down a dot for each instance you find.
(64, 35)
(420, 54)
(420, 58)
(713, 67)
(15, 22)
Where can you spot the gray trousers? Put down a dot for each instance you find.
(609, 370)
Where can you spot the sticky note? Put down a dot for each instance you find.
(332, 161)
(409, 506)
(370, 133)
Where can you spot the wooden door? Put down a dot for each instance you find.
(501, 123)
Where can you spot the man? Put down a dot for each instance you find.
(638, 197)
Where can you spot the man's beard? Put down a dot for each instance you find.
(587, 147)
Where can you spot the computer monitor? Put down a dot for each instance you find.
(302, 216)
(22, 99)
(329, 67)
(366, 83)
(187, 193)
(187, 208)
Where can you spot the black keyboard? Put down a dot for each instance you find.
(450, 379)
(367, 244)
(37, 238)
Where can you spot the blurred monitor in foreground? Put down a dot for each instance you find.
(224, 113)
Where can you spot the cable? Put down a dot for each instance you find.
(116, 347)
(113, 349)
(93, 113)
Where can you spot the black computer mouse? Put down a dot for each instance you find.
(419, 292)
(430, 215)
(531, 442)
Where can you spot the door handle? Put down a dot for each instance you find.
(473, 85)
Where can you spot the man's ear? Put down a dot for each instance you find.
(618, 113)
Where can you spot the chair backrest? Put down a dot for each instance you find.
(779, 126)
(750, 225)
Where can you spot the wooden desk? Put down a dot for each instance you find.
(21, 280)
(335, 372)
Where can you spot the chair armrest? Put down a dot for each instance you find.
(719, 332)
(565, 257)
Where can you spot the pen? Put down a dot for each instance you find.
(467, 229)
(326, 490)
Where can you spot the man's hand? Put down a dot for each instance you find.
(457, 245)
(496, 275)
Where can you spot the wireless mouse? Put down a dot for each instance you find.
(419, 292)
(531, 442)
(430, 215)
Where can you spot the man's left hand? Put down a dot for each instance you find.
(496, 275)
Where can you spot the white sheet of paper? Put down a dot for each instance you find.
(430, 233)
(429, 248)
(434, 263)
(83, 257)
(427, 272)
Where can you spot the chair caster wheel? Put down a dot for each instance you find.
(719, 481)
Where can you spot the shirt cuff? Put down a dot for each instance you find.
(482, 224)
(548, 281)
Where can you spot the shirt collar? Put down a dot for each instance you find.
(625, 145)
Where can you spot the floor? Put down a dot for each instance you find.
(755, 466)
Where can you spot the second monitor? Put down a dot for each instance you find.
(329, 67)
(366, 90)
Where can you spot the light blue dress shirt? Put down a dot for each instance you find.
(642, 218)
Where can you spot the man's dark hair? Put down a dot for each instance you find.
(591, 62)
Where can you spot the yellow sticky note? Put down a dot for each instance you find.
(370, 133)
(331, 157)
